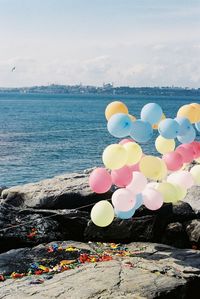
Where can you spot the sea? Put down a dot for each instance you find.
(44, 135)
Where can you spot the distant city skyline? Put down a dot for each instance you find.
(127, 42)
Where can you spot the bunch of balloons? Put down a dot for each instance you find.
(130, 170)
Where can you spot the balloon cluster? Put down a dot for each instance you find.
(129, 169)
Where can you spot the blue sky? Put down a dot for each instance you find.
(127, 42)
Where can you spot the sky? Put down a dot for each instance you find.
(127, 42)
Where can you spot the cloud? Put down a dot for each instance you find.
(159, 64)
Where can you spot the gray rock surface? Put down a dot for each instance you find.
(66, 191)
(193, 197)
(193, 231)
(159, 272)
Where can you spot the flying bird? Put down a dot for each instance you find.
(13, 69)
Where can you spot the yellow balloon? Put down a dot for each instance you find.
(102, 213)
(181, 192)
(134, 152)
(168, 191)
(164, 145)
(115, 107)
(163, 172)
(155, 126)
(197, 107)
(192, 112)
(151, 167)
(195, 171)
(114, 156)
(132, 117)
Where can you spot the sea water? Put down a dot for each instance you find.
(46, 135)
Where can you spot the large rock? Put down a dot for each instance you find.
(158, 272)
(193, 231)
(67, 191)
(193, 198)
(29, 227)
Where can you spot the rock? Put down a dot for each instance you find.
(193, 231)
(176, 235)
(67, 191)
(29, 227)
(193, 198)
(158, 272)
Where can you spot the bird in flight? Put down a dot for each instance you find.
(13, 69)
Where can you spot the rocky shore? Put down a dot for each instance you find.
(58, 210)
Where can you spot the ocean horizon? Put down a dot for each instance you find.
(44, 135)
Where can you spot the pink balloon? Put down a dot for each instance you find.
(138, 182)
(182, 178)
(123, 141)
(123, 200)
(121, 177)
(186, 153)
(100, 180)
(152, 199)
(135, 167)
(196, 148)
(173, 160)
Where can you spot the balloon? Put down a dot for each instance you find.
(152, 185)
(173, 161)
(139, 201)
(155, 126)
(141, 131)
(168, 191)
(164, 145)
(114, 108)
(150, 166)
(138, 182)
(197, 126)
(134, 152)
(182, 178)
(168, 128)
(102, 213)
(114, 156)
(163, 172)
(121, 177)
(135, 167)
(196, 149)
(151, 113)
(189, 137)
(123, 200)
(192, 112)
(100, 180)
(195, 172)
(181, 192)
(185, 152)
(132, 117)
(119, 125)
(125, 215)
(153, 199)
(184, 125)
(123, 141)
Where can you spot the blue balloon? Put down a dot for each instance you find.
(119, 125)
(189, 137)
(152, 113)
(139, 201)
(184, 125)
(197, 126)
(168, 128)
(141, 131)
(125, 215)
